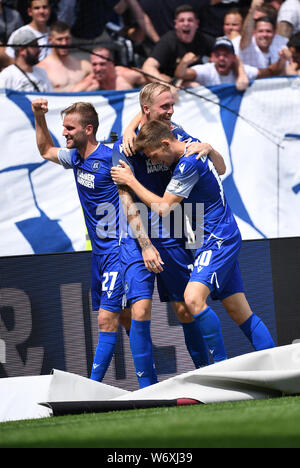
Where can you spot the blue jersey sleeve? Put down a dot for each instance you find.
(185, 177)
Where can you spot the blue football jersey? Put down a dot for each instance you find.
(98, 195)
(198, 182)
(155, 177)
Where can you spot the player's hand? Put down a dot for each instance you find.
(152, 258)
(122, 174)
(39, 106)
(197, 147)
(129, 138)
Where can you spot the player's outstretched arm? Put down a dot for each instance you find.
(43, 138)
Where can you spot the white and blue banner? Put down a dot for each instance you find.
(257, 132)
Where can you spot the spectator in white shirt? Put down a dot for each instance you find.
(39, 11)
(23, 75)
(288, 20)
(259, 49)
(224, 67)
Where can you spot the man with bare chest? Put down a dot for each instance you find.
(64, 70)
(106, 75)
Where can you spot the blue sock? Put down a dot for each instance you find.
(195, 344)
(211, 331)
(257, 333)
(142, 352)
(103, 355)
(153, 364)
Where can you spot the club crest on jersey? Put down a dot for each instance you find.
(96, 165)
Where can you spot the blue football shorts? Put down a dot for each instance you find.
(217, 267)
(139, 282)
(106, 284)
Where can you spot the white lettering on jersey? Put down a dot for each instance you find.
(85, 179)
(155, 167)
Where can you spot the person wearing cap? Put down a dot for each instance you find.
(224, 67)
(24, 75)
(39, 11)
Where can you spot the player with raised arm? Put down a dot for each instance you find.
(216, 269)
(91, 163)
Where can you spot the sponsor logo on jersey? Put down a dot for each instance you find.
(155, 167)
(85, 179)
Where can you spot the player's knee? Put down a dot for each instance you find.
(141, 310)
(194, 302)
(108, 321)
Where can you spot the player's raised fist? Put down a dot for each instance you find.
(39, 106)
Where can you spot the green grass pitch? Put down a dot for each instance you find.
(271, 423)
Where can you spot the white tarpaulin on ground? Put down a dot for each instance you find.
(262, 374)
(257, 132)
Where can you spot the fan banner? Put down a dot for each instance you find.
(257, 132)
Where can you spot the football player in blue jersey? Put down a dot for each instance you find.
(216, 269)
(157, 102)
(91, 163)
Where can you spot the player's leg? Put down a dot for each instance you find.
(196, 294)
(235, 302)
(251, 325)
(108, 323)
(194, 340)
(107, 296)
(141, 342)
(139, 287)
(171, 284)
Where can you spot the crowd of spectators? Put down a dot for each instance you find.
(88, 45)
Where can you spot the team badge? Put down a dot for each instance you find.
(96, 165)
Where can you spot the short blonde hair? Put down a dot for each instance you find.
(150, 91)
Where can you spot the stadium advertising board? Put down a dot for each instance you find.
(46, 319)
